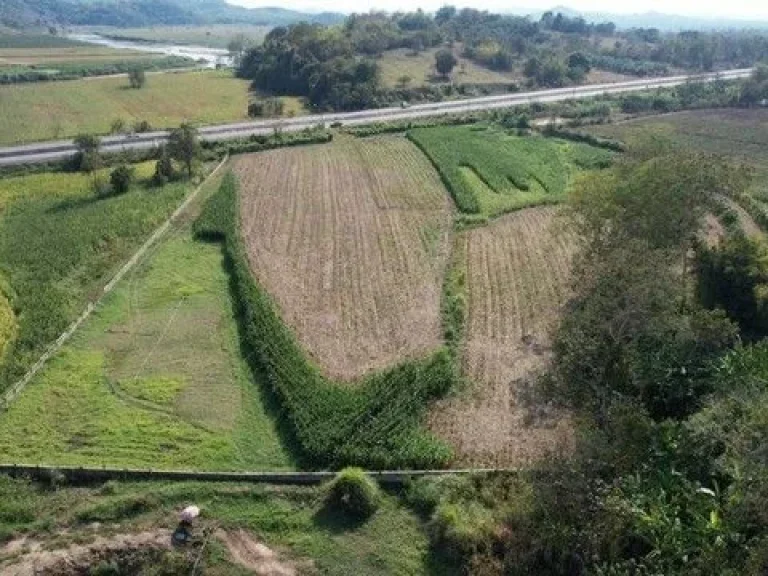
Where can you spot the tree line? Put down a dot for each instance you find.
(337, 67)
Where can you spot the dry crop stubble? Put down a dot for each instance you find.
(518, 273)
(351, 240)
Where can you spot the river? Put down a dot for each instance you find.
(207, 57)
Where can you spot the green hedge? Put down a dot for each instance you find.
(405, 125)
(259, 143)
(375, 423)
(584, 138)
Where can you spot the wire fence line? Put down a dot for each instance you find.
(16, 389)
(94, 475)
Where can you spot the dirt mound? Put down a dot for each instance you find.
(254, 555)
(33, 560)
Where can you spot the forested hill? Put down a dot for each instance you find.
(137, 13)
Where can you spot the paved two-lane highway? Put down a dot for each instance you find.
(50, 151)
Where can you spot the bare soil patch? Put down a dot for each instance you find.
(747, 223)
(518, 271)
(713, 232)
(31, 559)
(256, 556)
(351, 241)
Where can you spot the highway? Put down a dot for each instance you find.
(57, 150)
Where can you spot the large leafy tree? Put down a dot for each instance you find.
(184, 146)
(631, 332)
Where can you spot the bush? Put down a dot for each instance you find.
(137, 78)
(142, 126)
(121, 179)
(101, 187)
(354, 493)
(164, 170)
(268, 107)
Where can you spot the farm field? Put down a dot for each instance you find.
(364, 225)
(213, 36)
(517, 271)
(490, 172)
(249, 522)
(52, 110)
(58, 245)
(153, 379)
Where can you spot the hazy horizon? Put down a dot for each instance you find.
(736, 9)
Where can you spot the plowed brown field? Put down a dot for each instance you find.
(351, 241)
(517, 276)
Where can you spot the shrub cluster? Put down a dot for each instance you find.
(354, 493)
(376, 424)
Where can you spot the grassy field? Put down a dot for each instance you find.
(740, 133)
(213, 36)
(256, 530)
(59, 244)
(53, 56)
(517, 270)
(420, 68)
(155, 378)
(364, 224)
(45, 111)
(490, 172)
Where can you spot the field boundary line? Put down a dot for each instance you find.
(93, 474)
(20, 384)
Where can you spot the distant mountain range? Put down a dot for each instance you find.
(664, 22)
(137, 13)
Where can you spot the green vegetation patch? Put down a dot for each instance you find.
(292, 521)
(154, 379)
(376, 424)
(58, 246)
(490, 172)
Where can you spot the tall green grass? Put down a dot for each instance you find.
(376, 424)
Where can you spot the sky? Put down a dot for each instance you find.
(746, 9)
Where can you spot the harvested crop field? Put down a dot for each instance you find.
(351, 241)
(517, 273)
